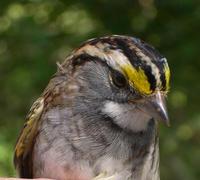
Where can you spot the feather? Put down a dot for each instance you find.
(25, 142)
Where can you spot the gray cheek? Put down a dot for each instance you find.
(94, 81)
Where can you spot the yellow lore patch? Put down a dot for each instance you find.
(137, 79)
(167, 76)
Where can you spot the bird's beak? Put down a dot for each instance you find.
(155, 106)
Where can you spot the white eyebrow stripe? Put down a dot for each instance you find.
(114, 58)
(147, 60)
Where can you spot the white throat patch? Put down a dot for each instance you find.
(127, 115)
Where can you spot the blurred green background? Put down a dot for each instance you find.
(35, 34)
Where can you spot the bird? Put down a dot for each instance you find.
(98, 117)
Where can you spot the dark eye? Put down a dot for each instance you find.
(118, 79)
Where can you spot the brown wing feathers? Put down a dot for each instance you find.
(25, 142)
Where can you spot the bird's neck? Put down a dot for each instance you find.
(150, 169)
(138, 149)
(141, 148)
(145, 153)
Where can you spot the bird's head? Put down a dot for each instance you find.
(124, 78)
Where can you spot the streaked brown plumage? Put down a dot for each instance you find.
(97, 118)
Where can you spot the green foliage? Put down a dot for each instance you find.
(35, 34)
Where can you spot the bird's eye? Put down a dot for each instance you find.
(118, 79)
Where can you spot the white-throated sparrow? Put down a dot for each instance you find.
(97, 118)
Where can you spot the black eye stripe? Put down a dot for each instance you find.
(151, 77)
(123, 44)
(140, 54)
(163, 80)
(148, 50)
